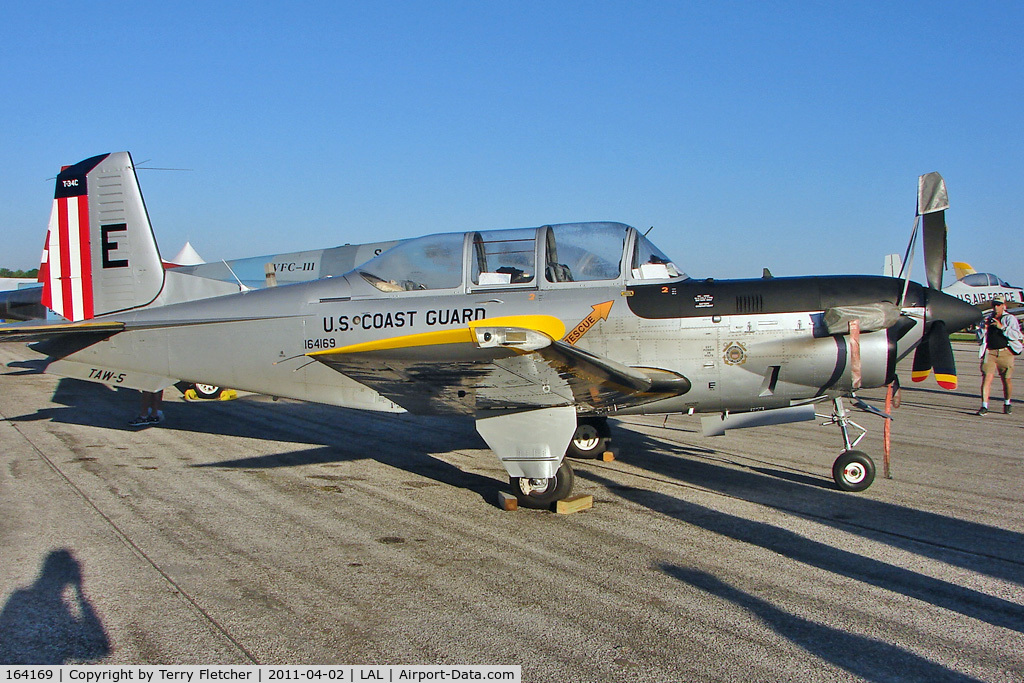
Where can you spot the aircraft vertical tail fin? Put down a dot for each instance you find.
(962, 269)
(892, 266)
(100, 255)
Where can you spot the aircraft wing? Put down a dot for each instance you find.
(39, 331)
(512, 363)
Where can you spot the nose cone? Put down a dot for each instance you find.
(956, 313)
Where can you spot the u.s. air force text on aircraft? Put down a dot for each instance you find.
(981, 297)
(380, 321)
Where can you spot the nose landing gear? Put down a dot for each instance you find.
(853, 470)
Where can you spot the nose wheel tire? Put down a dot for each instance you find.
(590, 439)
(541, 494)
(853, 471)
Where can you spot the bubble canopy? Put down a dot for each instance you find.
(551, 256)
(984, 280)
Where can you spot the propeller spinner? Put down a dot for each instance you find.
(944, 314)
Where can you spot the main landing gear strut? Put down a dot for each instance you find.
(531, 446)
(853, 470)
(541, 494)
(589, 442)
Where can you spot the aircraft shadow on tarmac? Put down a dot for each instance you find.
(28, 367)
(834, 560)
(335, 434)
(338, 435)
(867, 658)
(51, 621)
(84, 403)
(982, 548)
(412, 460)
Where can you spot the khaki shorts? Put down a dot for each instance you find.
(1001, 360)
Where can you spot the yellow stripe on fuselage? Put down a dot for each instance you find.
(546, 324)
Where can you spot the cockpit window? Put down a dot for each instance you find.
(504, 257)
(981, 280)
(649, 263)
(580, 252)
(431, 262)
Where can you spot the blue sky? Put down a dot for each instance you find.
(787, 135)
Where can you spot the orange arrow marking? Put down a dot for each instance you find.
(599, 312)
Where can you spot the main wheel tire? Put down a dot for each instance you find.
(208, 391)
(590, 440)
(853, 471)
(541, 494)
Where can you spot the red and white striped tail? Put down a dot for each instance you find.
(100, 254)
(67, 259)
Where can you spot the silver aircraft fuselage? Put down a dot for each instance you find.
(742, 344)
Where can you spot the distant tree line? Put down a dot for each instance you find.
(7, 272)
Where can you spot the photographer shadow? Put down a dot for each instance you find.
(51, 621)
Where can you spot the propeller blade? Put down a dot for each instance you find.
(932, 201)
(934, 233)
(922, 362)
(941, 351)
(904, 325)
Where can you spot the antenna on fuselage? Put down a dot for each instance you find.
(240, 285)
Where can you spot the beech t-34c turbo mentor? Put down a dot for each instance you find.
(537, 333)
